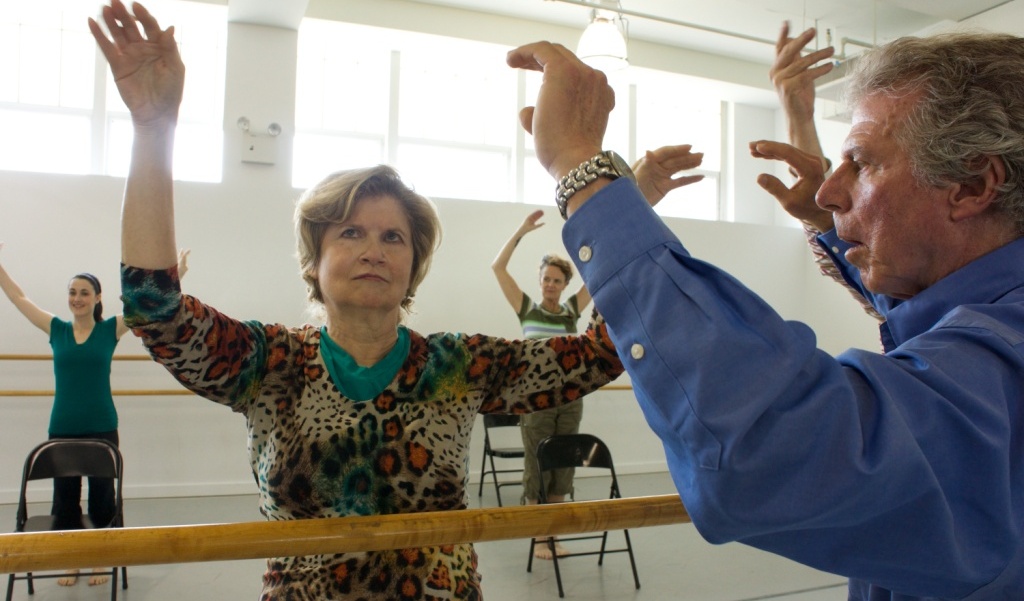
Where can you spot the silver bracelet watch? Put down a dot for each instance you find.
(606, 164)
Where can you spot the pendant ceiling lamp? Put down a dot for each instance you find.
(611, 11)
(603, 43)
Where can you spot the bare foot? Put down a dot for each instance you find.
(542, 551)
(71, 579)
(99, 576)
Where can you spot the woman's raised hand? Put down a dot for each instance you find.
(657, 172)
(530, 223)
(145, 62)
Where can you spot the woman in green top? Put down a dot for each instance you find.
(83, 406)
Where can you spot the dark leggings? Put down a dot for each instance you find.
(67, 495)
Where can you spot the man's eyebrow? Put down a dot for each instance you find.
(851, 148)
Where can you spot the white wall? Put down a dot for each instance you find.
(243, 263)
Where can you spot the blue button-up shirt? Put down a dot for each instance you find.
(903, 471)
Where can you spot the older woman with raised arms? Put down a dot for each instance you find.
(361, 416)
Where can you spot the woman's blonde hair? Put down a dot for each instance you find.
(333, 199)
(555, 261)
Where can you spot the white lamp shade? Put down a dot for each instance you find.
(602, 46)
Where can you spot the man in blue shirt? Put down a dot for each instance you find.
(903, 471)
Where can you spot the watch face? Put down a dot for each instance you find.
(620, 165)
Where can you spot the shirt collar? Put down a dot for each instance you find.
(982, 281)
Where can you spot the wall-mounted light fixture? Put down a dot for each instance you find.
(273, 129)
(258, 147)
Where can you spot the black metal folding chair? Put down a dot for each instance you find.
(579, 451)
(69, 457)
(493, 421)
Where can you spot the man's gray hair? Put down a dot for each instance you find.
(971, 106)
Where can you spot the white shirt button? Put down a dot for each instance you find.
(637, 351)
(585, 253)
(835, 249)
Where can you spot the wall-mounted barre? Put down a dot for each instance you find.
(145, 392)
(253, 540)
(17, 357)
(152, 392)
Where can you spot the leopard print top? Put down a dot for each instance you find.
(318, 454)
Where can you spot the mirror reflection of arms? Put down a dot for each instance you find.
(793, 76)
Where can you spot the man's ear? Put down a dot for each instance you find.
(974, 197)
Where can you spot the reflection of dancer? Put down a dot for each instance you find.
(793, 74)
(83, 406)
(361, 416)
(549, 317)
(657, 174)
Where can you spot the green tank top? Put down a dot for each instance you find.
(83, 403)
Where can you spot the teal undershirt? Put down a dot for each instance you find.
(355, 381)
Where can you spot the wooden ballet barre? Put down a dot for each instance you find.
(22, 552)
(184, 392)
(153, 392)
(174, 392)
(17, 357)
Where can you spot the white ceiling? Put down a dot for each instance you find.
(864, 21)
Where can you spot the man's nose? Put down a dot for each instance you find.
(833, 195)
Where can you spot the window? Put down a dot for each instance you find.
(55, 86)
(456, 125)
(46, 91)
(669, 112)
(367, 95)
(342, 107)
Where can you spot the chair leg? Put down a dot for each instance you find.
(10, 587)
(494, 477)
(31, 584)
(604, 544)
(124, 578)
(113, 584)
(554, 559)
(483, 473)
(632, 562)
(529, 562)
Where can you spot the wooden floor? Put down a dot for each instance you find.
(674, 562)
